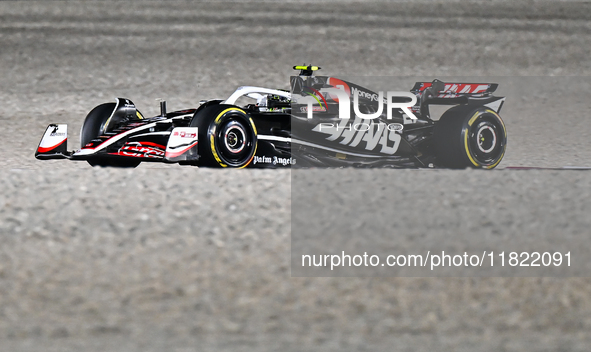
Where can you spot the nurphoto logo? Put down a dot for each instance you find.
(345, 103)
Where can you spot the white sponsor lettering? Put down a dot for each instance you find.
(375, 135)
(369, 96)
(262, 160)
(273, 160)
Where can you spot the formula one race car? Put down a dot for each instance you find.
(310, 125)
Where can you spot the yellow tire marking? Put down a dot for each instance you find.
(498, 161)
(255, 145)
(214, 152)
(253, 127)
(228, 109)
(472, 119)
(468, 149)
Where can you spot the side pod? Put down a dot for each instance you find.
(54, 144)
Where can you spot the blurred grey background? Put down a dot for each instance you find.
(185, 259)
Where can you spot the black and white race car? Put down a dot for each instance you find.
(322, 122)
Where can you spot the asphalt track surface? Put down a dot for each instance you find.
(185, 259)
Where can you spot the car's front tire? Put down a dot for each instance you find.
(94, 126)
(227, 136)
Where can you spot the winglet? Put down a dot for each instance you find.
(54, 144)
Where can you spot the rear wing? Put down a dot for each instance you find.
(441, 93)
(454, 90)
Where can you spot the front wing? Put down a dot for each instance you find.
(178, 145)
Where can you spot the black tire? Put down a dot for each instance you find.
(94, 123)
(468, 136)
(94, 126)
(227, 136)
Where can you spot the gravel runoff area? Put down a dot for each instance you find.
(181, 259)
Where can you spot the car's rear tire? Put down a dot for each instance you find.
(227, 136)
(468, 136)
(94, 126)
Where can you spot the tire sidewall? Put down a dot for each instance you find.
(94, 122)
(212, 122)
(453, 147)
(94, 125)
(477, 121)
